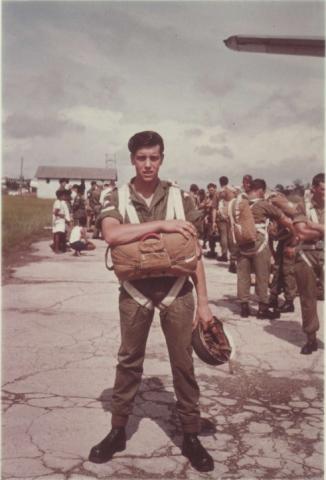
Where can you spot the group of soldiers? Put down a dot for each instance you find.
(74, 206)
(287, 256)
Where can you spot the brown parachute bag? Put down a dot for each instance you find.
(155, 255)
(289, 209)
(243, 226)
(280, 201)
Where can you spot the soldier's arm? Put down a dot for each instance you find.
(305, 233)
(115, 233)
(316, 226)
(203, 312)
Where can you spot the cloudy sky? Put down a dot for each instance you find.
(79, 78)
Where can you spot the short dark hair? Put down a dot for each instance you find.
(194, 188)
(257, 184)
(211, 185)
(247, 177)
(318, 179)
(93, 182)
(145, 139)
(63, 180)
(223, 181)
(59, 193)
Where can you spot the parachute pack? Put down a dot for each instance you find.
(243, 226)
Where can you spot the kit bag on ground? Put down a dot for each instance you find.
(154, 255)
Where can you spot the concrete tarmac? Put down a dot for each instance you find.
(262, 414)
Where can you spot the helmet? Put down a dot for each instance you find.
(213, 346)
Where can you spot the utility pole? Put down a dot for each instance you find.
(21, 178)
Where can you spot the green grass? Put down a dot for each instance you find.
(23, 220)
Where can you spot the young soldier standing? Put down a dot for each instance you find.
(149, 196)
(309, 258)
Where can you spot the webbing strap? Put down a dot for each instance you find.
(173, 293)
(310, 210)
(138, 296)
(305, 258)
(231, 217)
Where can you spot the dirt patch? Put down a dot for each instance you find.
(21, 255)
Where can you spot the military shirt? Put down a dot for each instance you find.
(156, 210)
(263, 210)
(303, 215)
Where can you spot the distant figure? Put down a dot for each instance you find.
(246, 183)
(63, 183)
(108, 187)
(78, 205)
(93, 207)
(60, 219)
(194, 189)
(78, 238)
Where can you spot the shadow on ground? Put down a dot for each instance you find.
(290, 331)
(164, 401)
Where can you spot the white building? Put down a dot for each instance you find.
(48, 177)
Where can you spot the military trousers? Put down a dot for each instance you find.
(176, 323)
(308, 277)
(226, 240)
(283, 275)
(260, 264)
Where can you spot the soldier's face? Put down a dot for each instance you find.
(147, 162)
(246, 185)
(319, 192)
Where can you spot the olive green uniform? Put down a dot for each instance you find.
(135, 321)
(260, 263)
(283, 275)
(309, 272)
(223, 223)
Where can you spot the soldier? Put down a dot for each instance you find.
(257, 256)
(93, 207)
(78, 204)
(246, 183)
(283, 274)
(193, 190)
(149, 196)
(309, 258)
(210, 231)
(220, 217)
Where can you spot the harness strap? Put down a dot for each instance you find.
(138, 296)
(173, 293)
(305, 258)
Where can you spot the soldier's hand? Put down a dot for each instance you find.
(179, 226)
(203, 316)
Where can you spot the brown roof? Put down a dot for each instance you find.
(77, 173)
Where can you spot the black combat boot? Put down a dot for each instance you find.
(287, 307)
(222, 258)
(245, 311)
(114, 442)
(210, 254)
(232, 267)
(265, 313)
(311, 345)
(199, 458)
